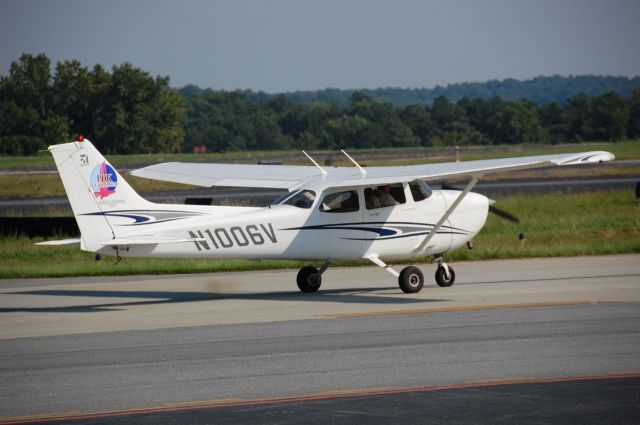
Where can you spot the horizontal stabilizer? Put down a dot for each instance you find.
(60, 242)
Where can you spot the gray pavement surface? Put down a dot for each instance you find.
(112, 344)
(579, 402)
(41, 307)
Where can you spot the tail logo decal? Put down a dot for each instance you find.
(103, 180)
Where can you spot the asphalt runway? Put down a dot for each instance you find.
(582, 401)
(206, 345)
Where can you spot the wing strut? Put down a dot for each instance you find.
(445, 216)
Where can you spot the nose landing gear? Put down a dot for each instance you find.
(445, 276)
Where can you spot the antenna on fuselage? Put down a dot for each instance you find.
(362, 170)
(322, 170)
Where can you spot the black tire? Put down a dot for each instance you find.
(309, 279)
(411, 280)
(441, 278)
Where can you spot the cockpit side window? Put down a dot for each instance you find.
(340, 202)
(420, 190)
(301, 199)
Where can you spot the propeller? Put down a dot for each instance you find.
(504, 214)
(495, 210)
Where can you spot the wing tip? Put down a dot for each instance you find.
(593, 157)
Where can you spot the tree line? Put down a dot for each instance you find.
(230, 121)
(540, 90)
(129, 111)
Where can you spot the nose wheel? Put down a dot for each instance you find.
(445, 276)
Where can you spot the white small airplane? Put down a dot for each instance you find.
(340, 213)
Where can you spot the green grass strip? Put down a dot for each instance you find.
(554, 225)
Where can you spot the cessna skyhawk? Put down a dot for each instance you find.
(328, 214)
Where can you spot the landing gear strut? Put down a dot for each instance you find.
(410, 279)
(445, 276)
(309, 278)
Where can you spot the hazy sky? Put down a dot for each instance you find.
(288, 45)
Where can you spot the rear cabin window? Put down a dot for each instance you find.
(340, 202)
(383, 196)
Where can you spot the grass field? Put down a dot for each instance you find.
(622, 150)
(553, 224)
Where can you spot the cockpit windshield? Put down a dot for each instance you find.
(301, 199)
(420, 190)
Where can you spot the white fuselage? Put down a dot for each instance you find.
(290, 232)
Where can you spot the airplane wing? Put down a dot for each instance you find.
(289, 177)
(384, 175)
(233, 175)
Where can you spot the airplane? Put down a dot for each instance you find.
(327, 214)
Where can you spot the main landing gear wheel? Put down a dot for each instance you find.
(309, 279)
(411, 280)
(441, 277)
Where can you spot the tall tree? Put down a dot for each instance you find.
(72, 93)
(634, 115)
(578, 118)
(345, 132)
(29, 121)
(418, 119)
(609, 117)
(518, 123)
(143, 114)
(552, 117)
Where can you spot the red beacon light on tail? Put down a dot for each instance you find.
(80, 138)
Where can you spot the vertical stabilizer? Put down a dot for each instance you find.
(94, 189)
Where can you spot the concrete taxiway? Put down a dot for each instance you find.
(76, 346)
(41, 307)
